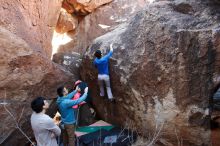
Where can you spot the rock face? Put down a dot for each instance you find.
(66, 22)
(104, 20)
(32, 20)
(82, 7)
(163, 70)
(26, 71)
(99, 22)
(71, 62)
(24, 75)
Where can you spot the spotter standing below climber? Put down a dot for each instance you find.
(65, 104)
(45, 130)
(101, 63)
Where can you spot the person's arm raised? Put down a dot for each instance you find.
(111, 48)
(71, 103)
(70, 95)
(110, 53)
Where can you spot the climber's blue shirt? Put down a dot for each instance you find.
(102, 64)
(65, 104)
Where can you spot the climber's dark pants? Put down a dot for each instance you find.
(69, 135)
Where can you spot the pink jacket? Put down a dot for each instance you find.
(75, 97)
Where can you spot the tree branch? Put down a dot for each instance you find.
(16, 122)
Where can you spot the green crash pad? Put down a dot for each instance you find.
(90, 129)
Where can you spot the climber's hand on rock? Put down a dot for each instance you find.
(111, 47)
(86, 90)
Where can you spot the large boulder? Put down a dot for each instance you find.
(163, 70)
(31, 20)
(24, 75)
(99, 22)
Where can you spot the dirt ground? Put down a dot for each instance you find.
(215, 135)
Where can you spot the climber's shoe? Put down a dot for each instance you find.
(101, 95)
(112, 100)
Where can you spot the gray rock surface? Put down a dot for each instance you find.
(163, 70)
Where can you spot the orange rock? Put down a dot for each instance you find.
(66, 22)
(83, 7)
(67, 7)
(31, 20)
(24, 74)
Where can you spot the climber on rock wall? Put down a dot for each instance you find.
(65, 104)
(45, 130)
(101, 63)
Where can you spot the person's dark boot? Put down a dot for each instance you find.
(112, 100)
